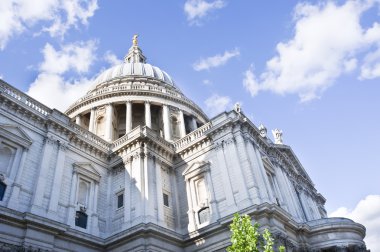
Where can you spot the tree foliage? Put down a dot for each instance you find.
(245, 237)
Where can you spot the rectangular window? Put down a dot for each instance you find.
(120, 200)
(166, 199)
(2, 190)
(81, 219)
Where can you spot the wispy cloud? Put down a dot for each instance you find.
(215, 61)
(111, 58)
(53, 16)
(328, 42)
(196, 10)
(366, 212)
(216, 104)
(50, 87)
(207, 82)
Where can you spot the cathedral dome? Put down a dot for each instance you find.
(134, 94)
(134, 66)
(138, 69)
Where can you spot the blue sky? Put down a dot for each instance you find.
(308, 68)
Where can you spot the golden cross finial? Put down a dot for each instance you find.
(134, 41)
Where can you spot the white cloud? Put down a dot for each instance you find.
(215, 61)
(371, 67)
(327, 43)
(56, 92)
(197, 9)
(216, 104)
(366, 212)
(76, 56)
(53, 16)
(111, 58)
(50, 87)
(207, 82)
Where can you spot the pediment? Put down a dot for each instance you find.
(196, 168)
(87, 170)
(15, 134)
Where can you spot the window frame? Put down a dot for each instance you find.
(121, 193)
(165, 193)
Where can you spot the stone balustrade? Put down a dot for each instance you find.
(192, 136)
(91, 137)
(20, 97)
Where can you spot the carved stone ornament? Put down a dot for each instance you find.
(277, 134)
(263, 131)
(2, 178)
(82, 209)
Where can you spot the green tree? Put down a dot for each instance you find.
(245, 237)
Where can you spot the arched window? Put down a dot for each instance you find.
(204, 215)
(5, 159)
(81, 219)
(2, 190)
(201, 192)
(83, 193)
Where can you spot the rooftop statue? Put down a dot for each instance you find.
(134, 41)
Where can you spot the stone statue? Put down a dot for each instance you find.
(263, 131)
(134, 41)
(237, 107)
(277, 134)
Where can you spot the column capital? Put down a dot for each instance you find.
(93, 108)
(128, 101)
(147, 102)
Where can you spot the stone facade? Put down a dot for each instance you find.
(134, 165)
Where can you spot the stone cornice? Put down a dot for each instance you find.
(144, 134)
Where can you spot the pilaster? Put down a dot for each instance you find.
(58, 171)
(235, 166)
(38, 197)
(228, 189)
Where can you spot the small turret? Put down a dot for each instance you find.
(135, 54)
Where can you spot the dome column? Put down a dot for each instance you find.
(193, 124)
(148, 118)
(78, 120)
(109, 127)
(182, 124)
(91, 126)
(166, 119)
(128, 116)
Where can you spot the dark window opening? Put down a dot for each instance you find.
(120, 200)
(2, 190)
(204, 215)
(81, 219)
(166, 199)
